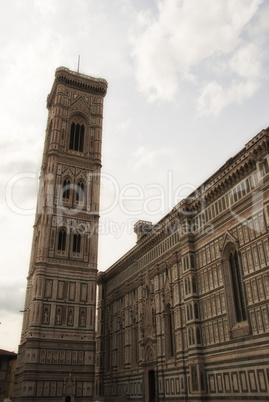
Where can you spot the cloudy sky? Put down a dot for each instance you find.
(188, 87)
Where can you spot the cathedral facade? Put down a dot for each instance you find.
(56, 358)
(183, 316)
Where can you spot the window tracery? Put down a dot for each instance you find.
(237, 286)
(76, 140)
(234, 288)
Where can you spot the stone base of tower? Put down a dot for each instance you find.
(61, 373)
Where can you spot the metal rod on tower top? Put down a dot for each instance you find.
(78, 62)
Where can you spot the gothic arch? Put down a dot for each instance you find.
(68, 171)
(67, 188)
(77, 112)
(80, 191)
(62, 240)
(234, 287)
(149, 355)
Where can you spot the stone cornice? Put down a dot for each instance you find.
(86, 163)
(232, 171)
(86, 83)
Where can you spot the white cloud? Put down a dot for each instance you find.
(10, 330)
(246, 62)
(214, 97)
(123, 126)
(211, 99)
(170, 47)
(144, 157)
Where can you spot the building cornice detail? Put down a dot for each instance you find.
(86, 83)
(231, 172)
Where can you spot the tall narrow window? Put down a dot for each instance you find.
(76, 243)
(80, 191)
(62, 240)
(169, 332)
(76, 141)
(66, 189)
(134, 343)
(194, 378)
(237, 287)
(234, 290)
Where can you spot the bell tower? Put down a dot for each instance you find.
(56, 358)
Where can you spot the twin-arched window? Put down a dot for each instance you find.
(62, 241)
(78, 188)
(76, 141)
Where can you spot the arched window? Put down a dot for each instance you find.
(76, 141)
(66, 189)
(76, 243)
(80, 191)
(234, 290)
(237, 281)
(61, 239)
